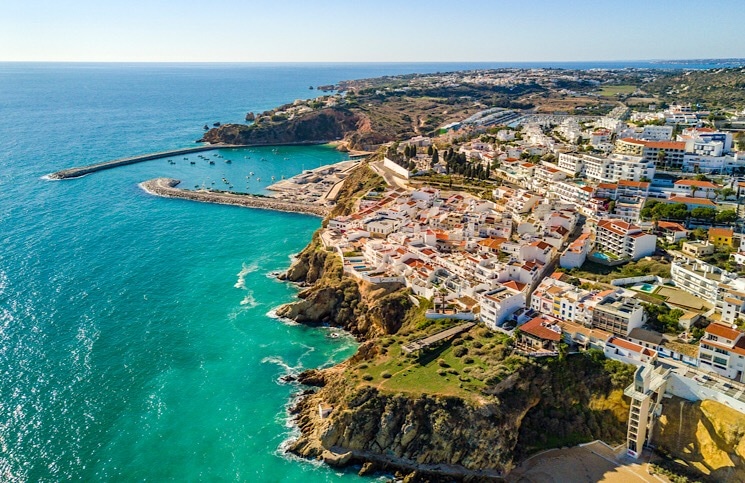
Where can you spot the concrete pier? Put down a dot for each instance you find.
(166, 187)
(92, 168)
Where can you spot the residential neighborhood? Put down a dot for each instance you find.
(533, 236)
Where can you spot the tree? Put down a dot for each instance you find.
(435, 158)
(726, 216)
(661, 157)
(694, 189)
(725, 193)
(704, 213)
(429, 150)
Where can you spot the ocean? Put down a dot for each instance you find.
(136, 333)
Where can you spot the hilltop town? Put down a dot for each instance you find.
(610, 224)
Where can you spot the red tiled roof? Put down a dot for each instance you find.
(666, 145)
(724, 232)
(722, 330)
(691, 201)
(638, 184)
(625, 344)
(671, 226)
(695, 182)
(514, 285)
(537, 328)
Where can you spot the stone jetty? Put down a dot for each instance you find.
(166, 187)
(92, 168)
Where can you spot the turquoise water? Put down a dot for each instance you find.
(135, 340)
(134, 337)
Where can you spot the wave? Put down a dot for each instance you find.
(245, 270)
(249, 301)
(272, 314)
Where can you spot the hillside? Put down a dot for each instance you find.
(704, 438)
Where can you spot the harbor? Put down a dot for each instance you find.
(92, 168)
(166, 187)
(319, 186)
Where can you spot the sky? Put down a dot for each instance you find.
(368, 31)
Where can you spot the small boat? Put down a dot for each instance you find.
(251, 173)
(231, 186)
(228, 161)
(258, 179)
(272, 178)
(193, 162)
(212, 162)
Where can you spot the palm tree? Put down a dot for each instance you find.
(661, 157)
(693, 191)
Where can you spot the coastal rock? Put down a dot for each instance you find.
(318, 126)
(312, 377)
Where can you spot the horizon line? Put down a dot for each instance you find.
(721, 59)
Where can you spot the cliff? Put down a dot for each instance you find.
(333, 298)
(318, 126)
(477, 436)
(702, 439)
(466, 409)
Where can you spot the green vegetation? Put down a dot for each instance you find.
(601, 273)
(663, 319)
(614, 91)
(712, 88)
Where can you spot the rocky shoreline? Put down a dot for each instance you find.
(166, 187)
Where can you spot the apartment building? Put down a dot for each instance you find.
(664, 154)
(623, 240)
(499, 304)
(618, 314)
(558, 299)
(722, 350)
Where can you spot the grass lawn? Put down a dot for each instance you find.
(437, 370)
(613, 91)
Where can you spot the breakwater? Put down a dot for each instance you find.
(92, 168)
(166, 187)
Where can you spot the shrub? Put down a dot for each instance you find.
(362, 366)
(460, 351)
(385, 375)
(440, 372)
(468, 360)
(367, 377)
(442, 363)
(478, 345)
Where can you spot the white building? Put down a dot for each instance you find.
(499, 304)
(722, 350)
(623, 240)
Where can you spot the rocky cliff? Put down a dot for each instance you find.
(703, 438)
(322, 125)
(436, 437)
(456, 417)
(333, 298)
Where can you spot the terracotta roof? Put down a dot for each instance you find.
(514, 285)
(626, 344)
(691, 201)
(666, 144)
(638, 184)
(671, 226)
(608, 186)
(697, 183)
(723, 232)
(537, 327)
(722, 330)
